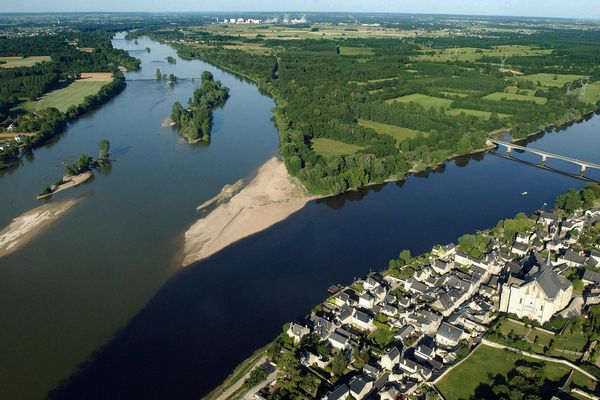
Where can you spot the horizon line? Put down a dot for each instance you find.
(300, 12)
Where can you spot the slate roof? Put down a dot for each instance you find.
(591, 276)
(450, 332)
(358, 383)
(550, 282)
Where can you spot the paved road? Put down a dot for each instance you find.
(226, 394)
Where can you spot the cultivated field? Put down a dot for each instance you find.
(474, 54)
(499, 96)
(476, 113)
(14, 62)
(397, 132)
(330, 147)
(72, 94)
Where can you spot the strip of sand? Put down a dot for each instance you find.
(27, 226)
(68, 182)
(270, 197)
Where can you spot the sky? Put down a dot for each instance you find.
(534, 8)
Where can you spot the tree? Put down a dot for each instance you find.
(104, 146)
(569, 201)
(338, 364)
(158, 74)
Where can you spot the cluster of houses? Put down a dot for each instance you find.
(447, 306)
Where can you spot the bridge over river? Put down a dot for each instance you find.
(544, 154)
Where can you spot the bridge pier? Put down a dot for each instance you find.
(544, 158)
(582, 169)
(508, 149)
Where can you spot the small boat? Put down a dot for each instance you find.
(334, 289)
(524, 194)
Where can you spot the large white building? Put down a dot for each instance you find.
(538, 296)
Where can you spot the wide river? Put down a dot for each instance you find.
(98, 297)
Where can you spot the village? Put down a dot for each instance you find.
(395, 335)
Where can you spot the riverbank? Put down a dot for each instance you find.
(27, 226)
(269, 198)
(67, 183)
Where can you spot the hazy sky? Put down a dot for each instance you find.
(548, 8)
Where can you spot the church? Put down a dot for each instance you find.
(538, 295)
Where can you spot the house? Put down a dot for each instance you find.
(424, 353)
(520, 249)
(360, 386)
(572, 259)
(449, 335)
(522, 237)
(321, 326)
(339, 339)
(339, 393)
(297, 332)
(442, 267)
(405, 332)
(366, 300)
(547, 218)
(591, 277)
(370, 283)
(390, 359)
(371, 370)
(540, 295)
(363, 320)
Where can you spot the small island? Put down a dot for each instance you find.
(80, 171)
(195, 122)
(171, 60)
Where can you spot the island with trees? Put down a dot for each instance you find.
(195, 122)
(79, 171)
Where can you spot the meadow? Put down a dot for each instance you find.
(14, 62)
(499, 96)
(397, 132)
(330, 147)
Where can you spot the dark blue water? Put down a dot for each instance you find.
(212, 315)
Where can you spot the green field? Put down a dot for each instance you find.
(592, 93)
(424, 100)
(550, 79)
(543, 338)
(330, 147)
(14, 62)
(397, 132)
(355, 51)
(474, 54)
(499, 96)
(516, 90)
(65, 97)
(455, 94)
(476, 113)
(486, 362)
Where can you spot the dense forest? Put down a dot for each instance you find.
(195, 122)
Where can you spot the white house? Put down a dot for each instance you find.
(449, 335)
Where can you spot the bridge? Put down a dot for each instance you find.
(544, 154)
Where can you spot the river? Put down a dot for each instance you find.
(109, 267)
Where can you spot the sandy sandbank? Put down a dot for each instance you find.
(68, 182)
(27, 226)
(269, 198)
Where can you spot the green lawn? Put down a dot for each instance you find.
(550, 79)
(498, 96)
(476, 113)
(424, 100)
(530, 333)
(14, 62)
(65, 97)
(330, 147)
(397, 132)
(485, 363)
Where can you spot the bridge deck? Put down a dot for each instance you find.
(587, 164)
